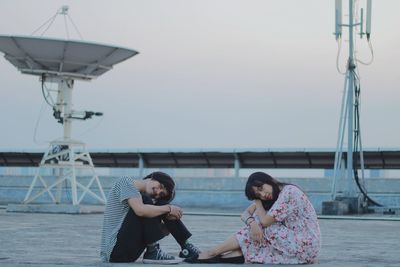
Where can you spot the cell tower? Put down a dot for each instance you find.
(61, 62)
(346, 165)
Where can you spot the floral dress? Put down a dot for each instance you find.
(294, 238)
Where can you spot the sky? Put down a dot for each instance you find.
(211, 74)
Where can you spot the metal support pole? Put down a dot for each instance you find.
(348, 113)
(65, 157)
(59, 185)
(66, 87)
(339, 144)
(237, 165)
(350, 192)
(141, 166)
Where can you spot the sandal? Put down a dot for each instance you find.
(216, 259)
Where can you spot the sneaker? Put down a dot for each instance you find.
(157, 256)
(189, 251)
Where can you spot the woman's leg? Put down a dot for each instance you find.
(231, 244)
(235, 256)
(233, 253)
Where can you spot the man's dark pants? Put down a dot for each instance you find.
(137, 232)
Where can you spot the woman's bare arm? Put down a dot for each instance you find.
(265, 219)
(248, 212)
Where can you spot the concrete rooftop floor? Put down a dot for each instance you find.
(32, 239)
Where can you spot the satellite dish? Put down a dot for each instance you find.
(61, 62)
(61, 58)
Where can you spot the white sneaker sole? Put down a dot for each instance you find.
(164, 262)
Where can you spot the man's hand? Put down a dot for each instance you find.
(175, 213)
(171, 218)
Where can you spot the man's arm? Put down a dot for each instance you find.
(150, 211)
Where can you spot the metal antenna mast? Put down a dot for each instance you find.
(350, 105)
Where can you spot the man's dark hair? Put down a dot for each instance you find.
(166, 181)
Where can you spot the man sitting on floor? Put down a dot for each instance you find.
(137, 215)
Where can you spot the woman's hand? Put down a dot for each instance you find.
(256, 232)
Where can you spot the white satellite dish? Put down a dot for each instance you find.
(62, 62)
(61, 58)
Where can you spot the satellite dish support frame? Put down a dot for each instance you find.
(72, 156)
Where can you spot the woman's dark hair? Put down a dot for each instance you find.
(258, 179)
(166, 181)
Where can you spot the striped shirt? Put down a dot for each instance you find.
(115, 213)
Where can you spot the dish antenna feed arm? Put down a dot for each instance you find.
(62, 108)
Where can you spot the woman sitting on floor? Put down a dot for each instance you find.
(281, 227)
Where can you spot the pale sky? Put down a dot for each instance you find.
(210, 74)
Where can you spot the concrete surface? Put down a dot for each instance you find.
(33, 239)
